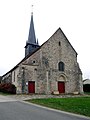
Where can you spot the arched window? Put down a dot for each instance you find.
(59, 43)
(61, 66)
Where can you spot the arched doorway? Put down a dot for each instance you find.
(61, 84)
(61, 87)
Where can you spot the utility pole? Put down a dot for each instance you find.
(23, 80)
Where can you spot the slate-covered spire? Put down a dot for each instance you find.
(31, 44)
(37, 42)
(31, 36)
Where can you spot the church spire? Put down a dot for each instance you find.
(31, 36)
(37, 42)
(31, 44)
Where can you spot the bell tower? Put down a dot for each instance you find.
(31, 43)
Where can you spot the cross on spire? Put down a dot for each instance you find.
(31, 9)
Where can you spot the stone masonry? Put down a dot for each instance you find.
(42, 67)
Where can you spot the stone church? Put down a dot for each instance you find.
(47, 68)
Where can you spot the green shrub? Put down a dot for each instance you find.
(86, 88)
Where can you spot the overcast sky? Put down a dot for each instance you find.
(72, 16)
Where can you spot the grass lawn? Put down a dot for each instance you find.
(80, 105)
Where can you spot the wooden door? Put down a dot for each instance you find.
(61, 87)
(31, 87)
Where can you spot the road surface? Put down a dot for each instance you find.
(11, 109)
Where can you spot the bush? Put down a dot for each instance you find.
(7, 88)
(86, 88)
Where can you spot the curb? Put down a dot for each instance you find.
(51, 109)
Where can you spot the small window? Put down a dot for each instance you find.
(34, 61)
(14, 76)
(34, 46)
(59, 43)
(35, 69)
(61, 66)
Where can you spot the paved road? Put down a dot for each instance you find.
(17, 110)
(6, 98)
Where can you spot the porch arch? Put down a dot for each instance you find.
(61, 83)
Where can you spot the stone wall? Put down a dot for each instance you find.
(7, 78)
(42, 67)
(57, 49)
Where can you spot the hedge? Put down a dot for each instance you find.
(7, 88)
